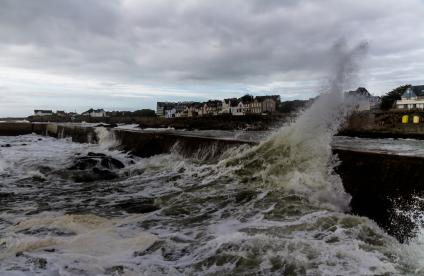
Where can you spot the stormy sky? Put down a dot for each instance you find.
(128, 54)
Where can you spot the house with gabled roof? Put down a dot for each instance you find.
(212, 107)
(412, 98)
(39, 112)
(268, 104)
(236, 108)
(95, 113)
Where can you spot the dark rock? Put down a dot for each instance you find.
(245, 196)
(104, 174)
(39, 139)
(45, 231)
(157, 245)
(137, 205)
(6, 146)
(39, 263)
(45, 169)
(95, 154)
(111, 163)
(6, 195)
(115, 270)
(38, 178)
(84, 163)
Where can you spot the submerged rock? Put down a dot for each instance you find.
(84, 163)
(94, 160)
(104, 174)
(138, 205)
(94, 154)
(111, 163)
(92, 167)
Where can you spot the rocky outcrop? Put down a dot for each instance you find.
(94, 167)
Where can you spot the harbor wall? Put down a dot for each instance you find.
(143, 144)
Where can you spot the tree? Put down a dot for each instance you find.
(292, 106)
(145, 113)
(246, 98)
(388, 100)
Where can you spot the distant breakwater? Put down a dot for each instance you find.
(379, 184)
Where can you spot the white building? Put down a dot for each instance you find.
(360, 99)
(95, 113)
(237, 108)
(43, 112)
(413, 98)
(171, 113)
(226, 106)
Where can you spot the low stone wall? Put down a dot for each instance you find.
(143, 144)
(384, 124)
(149, 144)
(14, 129)
(222, 122)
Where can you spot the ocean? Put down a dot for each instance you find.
(277, 208)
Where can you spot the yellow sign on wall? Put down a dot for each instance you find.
(405, 119)
(416, 119)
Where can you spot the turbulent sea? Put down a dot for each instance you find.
(273, 209)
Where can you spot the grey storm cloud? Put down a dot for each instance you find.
(170, 43)
(199, 40)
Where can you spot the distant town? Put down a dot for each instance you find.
(245, 105)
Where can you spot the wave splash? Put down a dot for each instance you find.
(298, 157)
(105, 138)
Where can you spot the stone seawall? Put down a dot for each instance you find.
(384, 188)
(140, 143)
(222, 122)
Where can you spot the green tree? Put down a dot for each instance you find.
(145, 113)
(388, 100)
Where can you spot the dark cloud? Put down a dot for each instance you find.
(246, 43)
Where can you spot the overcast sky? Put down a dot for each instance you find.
(128, 54)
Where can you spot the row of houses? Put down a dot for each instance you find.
(234, 106)
(95, 113)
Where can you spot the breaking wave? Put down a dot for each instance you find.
(106, 138)
(298, 157)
